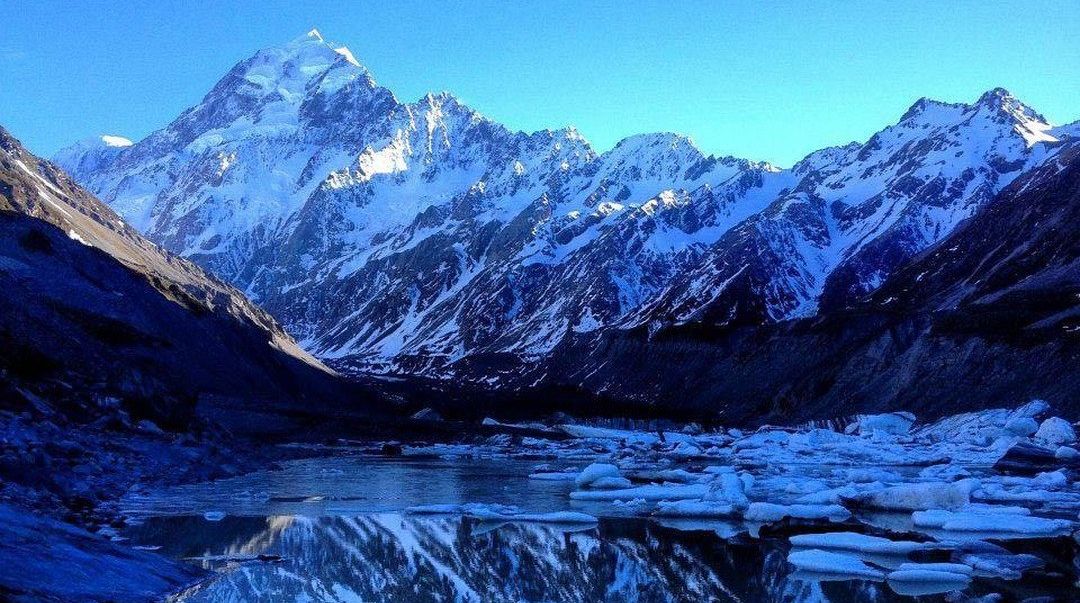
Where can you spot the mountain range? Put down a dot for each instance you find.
(423, 239)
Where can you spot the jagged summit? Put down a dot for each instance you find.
(1028, 123)
(997, 104)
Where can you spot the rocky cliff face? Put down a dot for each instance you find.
(422, 238)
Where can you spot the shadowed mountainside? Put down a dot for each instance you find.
(92, 312)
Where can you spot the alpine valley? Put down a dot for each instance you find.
(424, 240)
(309, 342)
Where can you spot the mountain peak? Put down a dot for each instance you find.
(997, 104)
(1027, 122)
(312, 46)
(996, 97)
(1001, 100)
(657, 141)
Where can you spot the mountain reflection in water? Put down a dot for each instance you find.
(396, 557)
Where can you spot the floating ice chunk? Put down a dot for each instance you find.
(961, 521)
(1066, 453)
(647, 492)
(214, 515)
(728, 488)
(986, 509)
(1022, 426)
(610, 483)
(862, 543)
(797, 486)
(950, 568)
(594, 472)
(892, 423)
(836, 495)
(917, 497)
(1032, 409)
(1002, 565)
(945, 472)
(1051, 479)
(1024, 493)
(554, 476)
(761, 439)
(932, 518)
(1056, 431)
(604, 433)
(768, 512)
(686, 450)
(747, 480)
(867, 475)
(825, 562)
(695, 508)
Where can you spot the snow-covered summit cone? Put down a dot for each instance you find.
(220, 179)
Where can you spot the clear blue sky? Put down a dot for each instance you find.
(763, 80)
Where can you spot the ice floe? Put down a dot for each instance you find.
(852, 541)
(1055, 431)
(982, 521)
(695, 508)
(917, 497)
(912, 504)
(830, 563)
(769, 512)
(595, 472)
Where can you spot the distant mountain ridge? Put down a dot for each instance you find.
(422, 238)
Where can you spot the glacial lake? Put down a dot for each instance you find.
(335, 529)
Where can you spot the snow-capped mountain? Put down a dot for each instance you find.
(422, 237)
(989, 313)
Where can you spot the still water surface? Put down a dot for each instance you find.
(333, 529)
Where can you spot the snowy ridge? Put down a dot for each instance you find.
(409, 237)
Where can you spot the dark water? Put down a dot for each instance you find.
(332, 530)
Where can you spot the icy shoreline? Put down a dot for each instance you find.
(961, 486)
(881, 497)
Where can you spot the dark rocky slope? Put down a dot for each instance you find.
(93, 310)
